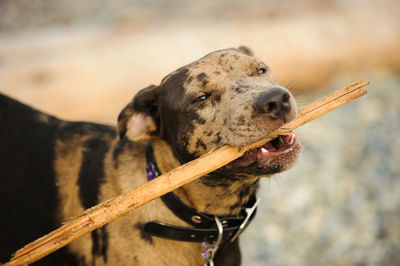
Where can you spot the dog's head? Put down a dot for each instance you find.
(228, 97)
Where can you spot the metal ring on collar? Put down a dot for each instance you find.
(220, 230)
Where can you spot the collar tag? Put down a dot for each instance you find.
(210, 250)
(151, 172)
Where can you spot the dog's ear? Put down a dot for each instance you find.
(139, 119)
(246, 50)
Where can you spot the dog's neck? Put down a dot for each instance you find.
(214, 194)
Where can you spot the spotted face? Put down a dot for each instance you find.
(228, 97)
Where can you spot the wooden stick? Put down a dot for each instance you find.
(105, 212)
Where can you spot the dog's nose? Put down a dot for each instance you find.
(274, 102)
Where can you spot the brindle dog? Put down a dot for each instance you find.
(52, 170)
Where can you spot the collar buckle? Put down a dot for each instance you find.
(228, 228)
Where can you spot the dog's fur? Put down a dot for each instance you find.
(52, 170)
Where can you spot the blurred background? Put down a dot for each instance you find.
(84, 60)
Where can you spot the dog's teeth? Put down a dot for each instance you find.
(281, 140)
(292, 138)
(262, 155)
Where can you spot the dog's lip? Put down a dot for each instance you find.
(281, 145)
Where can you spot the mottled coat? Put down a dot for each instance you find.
(52, 170)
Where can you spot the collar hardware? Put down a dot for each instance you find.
(249, 212)
(207, 228)
(208, 251)
(196, 219)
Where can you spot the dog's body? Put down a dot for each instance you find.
(52, 170)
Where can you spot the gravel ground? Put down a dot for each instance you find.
(341, 204)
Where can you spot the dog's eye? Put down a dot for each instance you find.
(261, 70)
(201, 98)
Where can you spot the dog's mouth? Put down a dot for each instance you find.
(275, 156)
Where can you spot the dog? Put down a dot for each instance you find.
(52, 170)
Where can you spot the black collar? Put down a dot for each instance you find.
(205, 225)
